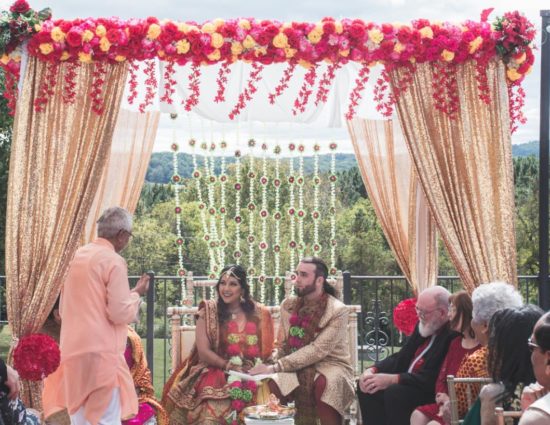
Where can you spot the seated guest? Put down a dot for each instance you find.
(508, 362)
(460, 316)
(233, 333)
(538, 412)
(487, 299)
(12, 410)
(313, 365)
(393, 388)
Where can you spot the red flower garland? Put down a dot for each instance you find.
(150, 85)
(326, 82)
(283, 82)
(132, 83)
(249, 90)
(194, 87)
(297, 331)
(221, 82)
(169, 83)
(301, 101)
(355, 95)
(36, 356)
(405, 317)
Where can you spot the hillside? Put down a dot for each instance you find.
(161, 169)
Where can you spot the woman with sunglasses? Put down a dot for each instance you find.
(538, 413)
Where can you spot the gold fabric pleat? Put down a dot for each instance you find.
(400, 206)
(465, 168)
(124, 175)
(57, 158)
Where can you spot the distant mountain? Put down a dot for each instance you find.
(161, 167)
(526, 149)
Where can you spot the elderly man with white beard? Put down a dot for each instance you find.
(391, 389)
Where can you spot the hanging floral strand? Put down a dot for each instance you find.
(355, 95)
(169, 84)
(264, 214)
(151, 85)
(246, 96)
(237, 254)
(197, 175)
(301, 101)
(316, 214)
(194, 87)
(223, 206)
(283, 83)
(47, 87)
(221, 82)
(301, 211)
(291, 208)
(210, 186)
(332, 211)
(96, 94)
(69, 83)
(176, 182)
(251, 209)
(132, 82)
(277, 217)
(326, 83)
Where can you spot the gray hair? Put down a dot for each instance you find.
(112, 221)
(492, 297)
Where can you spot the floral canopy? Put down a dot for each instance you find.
(321, 48)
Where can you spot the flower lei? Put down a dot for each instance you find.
(241, 393)
(297, 331)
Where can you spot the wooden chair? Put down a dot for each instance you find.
(502, 414)
(451, 382)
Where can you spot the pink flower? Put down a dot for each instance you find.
(250, 385)
(233, 349)
(238, 405)
(295, 342)
(295, 320)
(74, 37)
(237, 384)
(305, 322)
(252, 351)
(232, 327)
(250, 328)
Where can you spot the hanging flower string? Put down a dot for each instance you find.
(47, 87)
(283, 83)
(151, 85)
(326, 83)
(132, 82)
(301, 211)
(251, 214)
(291, 208)
(277, 216)
(249, 90)
(223, 206)
(221, 82)
(264, 214)
(210, 187)
(169, 83)
(355, 95)
(96, 94)
(237, 254)
(316, 213)
(302, 100)
(332, 211)
(194, 88)
(69, 84)
(176, 183)
(383, 96)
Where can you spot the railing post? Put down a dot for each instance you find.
(544, 289)
(151, 321)
(347, 287)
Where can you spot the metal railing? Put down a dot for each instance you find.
(377, 295)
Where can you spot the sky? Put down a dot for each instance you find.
(309, 10)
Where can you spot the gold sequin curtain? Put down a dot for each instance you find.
(397, 198)
(124, 175)
(57, 157)
(465, 168)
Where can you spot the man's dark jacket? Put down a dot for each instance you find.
(424, 379)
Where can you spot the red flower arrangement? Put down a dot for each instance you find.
(36, 356)
(297, 331)
(405, 317)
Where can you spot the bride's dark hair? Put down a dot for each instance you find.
(247, 304)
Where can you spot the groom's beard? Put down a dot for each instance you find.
(428, 329)
(306, 290)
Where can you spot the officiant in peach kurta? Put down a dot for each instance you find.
(93, 381)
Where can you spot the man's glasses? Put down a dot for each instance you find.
(424, 313)
(532, 345)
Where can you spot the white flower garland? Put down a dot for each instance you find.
(251, 210)
(277, 281)
(316, 213)
(176, 182)
(301, 211)
(292, 209)
(210, 186)
(223, 206)
(264, 214)
(237, 254)
(333, 178)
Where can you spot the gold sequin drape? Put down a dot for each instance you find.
(57, 157)
(397, 198)
(465, 167)
(124, 175)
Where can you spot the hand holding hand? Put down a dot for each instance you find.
(142, 285)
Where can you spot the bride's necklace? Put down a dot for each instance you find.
(234, 313)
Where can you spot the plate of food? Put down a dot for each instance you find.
(273, 410)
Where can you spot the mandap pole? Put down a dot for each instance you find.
(544, 288)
